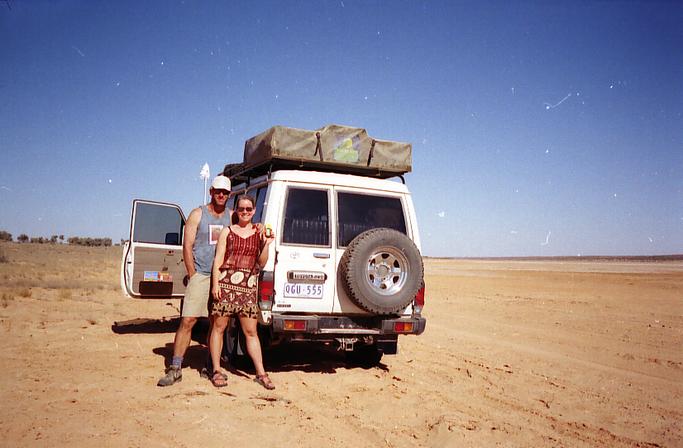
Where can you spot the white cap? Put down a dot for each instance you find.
(221, 183)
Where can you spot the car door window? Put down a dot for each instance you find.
(306, 218)
(361, 212)
(158, 224)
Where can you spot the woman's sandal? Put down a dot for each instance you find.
(265, 381)
(219, 379)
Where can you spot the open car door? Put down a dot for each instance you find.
(152, 265)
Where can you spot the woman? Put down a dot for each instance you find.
(240, 253)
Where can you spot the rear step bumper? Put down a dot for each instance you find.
(343, 325)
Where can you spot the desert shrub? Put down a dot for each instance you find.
(80, 241)
(23, 238)
(24, 292)
(5, 236)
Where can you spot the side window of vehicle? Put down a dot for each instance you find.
(306, 217)
(232, 203)
(260, 195)
(158, 224)
(361, 212)
(260, 202)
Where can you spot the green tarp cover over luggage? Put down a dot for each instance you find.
(331, 148)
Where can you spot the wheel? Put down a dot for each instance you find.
(381, 270)
(365, 356)
(234, 343)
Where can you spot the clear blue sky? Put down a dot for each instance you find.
(538, 128)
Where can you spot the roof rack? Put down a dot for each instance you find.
(240, 172)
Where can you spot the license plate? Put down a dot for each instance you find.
(305, 290)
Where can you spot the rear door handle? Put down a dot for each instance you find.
(320, 255)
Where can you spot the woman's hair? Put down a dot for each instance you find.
(243, 197)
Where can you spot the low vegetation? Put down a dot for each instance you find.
(54, 239)
(76, 240)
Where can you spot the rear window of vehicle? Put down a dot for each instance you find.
(306, 217)
(361, 212)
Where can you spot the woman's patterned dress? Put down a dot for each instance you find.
(238, 279)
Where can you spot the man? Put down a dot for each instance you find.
(199, 245)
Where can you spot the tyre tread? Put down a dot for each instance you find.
(350, 282)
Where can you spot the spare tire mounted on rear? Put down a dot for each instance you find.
(382, 270)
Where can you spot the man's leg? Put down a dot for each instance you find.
(183, 337)
(196, 295)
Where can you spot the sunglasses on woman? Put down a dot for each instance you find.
(245, 209)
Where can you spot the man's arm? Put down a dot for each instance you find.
(189, 236)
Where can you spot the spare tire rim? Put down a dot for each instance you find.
(387, 270)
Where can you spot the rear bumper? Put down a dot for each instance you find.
(346, 326)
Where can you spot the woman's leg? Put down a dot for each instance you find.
(218, 324)
(249, 325)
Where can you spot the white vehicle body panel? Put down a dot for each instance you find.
(302, 258)
(293, 257)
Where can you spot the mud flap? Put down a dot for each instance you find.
(388, 347)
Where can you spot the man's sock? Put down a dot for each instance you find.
(177, 361)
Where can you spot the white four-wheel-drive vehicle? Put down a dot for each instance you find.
(345, 267)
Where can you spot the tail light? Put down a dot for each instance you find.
(403, 327)
(419, 301)
(294, 324)
(266, 291)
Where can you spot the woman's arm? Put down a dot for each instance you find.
(218, 261)
(263, 256)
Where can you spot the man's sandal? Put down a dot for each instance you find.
(219, 379)
(265, 381)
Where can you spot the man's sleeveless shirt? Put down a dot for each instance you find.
(207, 236)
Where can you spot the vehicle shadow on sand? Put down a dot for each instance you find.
(143, 325)
(303, 357)
(300, 357)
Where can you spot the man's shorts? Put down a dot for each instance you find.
(196, 302)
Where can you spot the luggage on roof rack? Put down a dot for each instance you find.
(333, 148)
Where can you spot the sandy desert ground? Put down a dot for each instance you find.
(516, 353)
